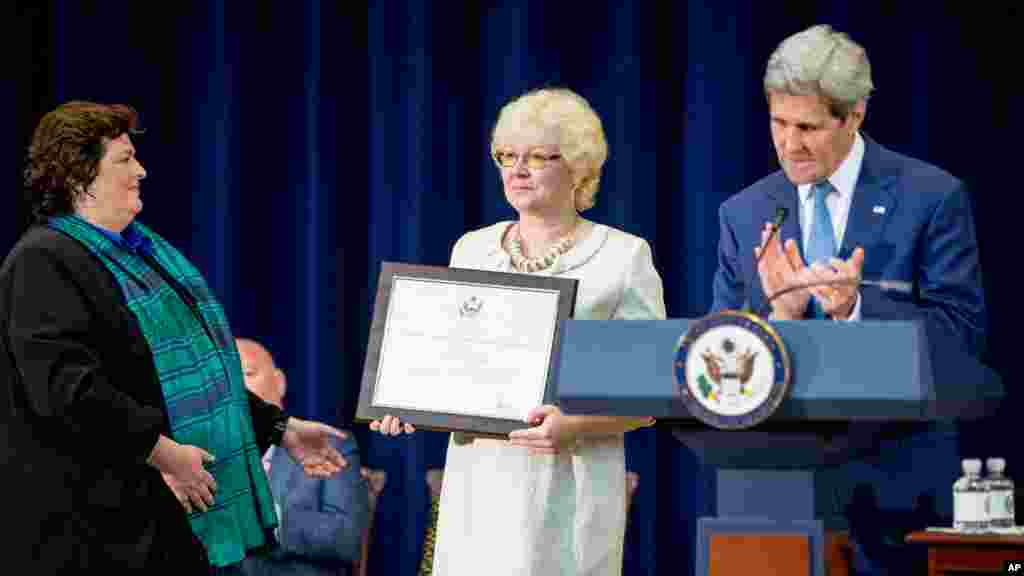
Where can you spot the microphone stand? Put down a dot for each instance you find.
(888, 285)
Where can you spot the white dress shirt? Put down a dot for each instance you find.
(844, 183)
(267, 457)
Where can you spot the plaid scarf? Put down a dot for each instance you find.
(200, 375)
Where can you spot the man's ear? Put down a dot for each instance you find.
(857, 114)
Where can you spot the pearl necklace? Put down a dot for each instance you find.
(537, 263)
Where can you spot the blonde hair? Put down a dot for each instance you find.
(581, 137)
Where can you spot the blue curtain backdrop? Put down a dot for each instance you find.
(293, 147)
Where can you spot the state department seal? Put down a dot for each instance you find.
(732, 370)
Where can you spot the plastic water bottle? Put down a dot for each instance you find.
(970, 499)
(1000, 494)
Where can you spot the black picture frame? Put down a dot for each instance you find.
(444, 421)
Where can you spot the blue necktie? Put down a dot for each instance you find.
(821, 246)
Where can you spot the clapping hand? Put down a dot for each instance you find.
(839, 298)
(779, 267)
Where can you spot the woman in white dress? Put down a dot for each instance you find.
(550, 499)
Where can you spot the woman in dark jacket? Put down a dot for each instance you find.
(129, 439)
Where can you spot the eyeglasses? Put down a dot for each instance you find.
(534, 160)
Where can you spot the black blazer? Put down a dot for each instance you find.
(80, 410)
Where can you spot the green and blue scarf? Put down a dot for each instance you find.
(200, 374)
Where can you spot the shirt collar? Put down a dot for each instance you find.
(129, 239)
(844, 179)
(136, 240)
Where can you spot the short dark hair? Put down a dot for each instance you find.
(66, 150)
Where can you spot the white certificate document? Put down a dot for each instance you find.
(469, 349)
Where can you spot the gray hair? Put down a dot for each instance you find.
(821, 61)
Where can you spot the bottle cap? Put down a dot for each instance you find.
(971, 465)
(995, 464)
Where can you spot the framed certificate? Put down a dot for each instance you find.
(463, 350)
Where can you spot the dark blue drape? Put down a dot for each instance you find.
(293, 147)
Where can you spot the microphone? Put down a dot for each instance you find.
(780, 217)
(885, 285)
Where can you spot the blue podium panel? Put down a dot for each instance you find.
(858, 371)
(771, 448)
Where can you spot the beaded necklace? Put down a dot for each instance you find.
(537, 263)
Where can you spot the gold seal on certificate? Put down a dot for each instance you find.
(462, 350)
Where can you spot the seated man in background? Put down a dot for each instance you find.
(321, 521)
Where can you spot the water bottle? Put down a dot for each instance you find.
(970, 499)
(1000, 494)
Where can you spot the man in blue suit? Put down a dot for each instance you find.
(321, 521)
(855, 209)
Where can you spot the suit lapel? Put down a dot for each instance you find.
(784, 195)
(873, 202)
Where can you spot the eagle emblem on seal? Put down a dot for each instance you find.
(728, 372)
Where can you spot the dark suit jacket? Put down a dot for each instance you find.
(915, 224)
(80, 410)
(322, 521)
